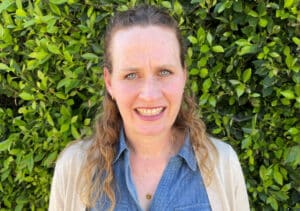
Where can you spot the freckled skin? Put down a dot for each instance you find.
(147, 73)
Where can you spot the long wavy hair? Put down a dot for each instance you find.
(97, 176)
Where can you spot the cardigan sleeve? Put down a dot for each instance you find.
(240, 191)
(58, 188)
(64, 195)
(227, 191)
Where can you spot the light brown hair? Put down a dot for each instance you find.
(97, 177)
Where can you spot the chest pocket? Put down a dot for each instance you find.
(194, 207)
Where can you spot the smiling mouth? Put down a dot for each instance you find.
(150, 112)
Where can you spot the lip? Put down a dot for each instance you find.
(150, 113)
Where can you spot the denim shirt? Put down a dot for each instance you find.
(180, 188)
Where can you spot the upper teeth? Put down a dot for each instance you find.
(149, 112)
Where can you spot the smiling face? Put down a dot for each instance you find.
(147, 79)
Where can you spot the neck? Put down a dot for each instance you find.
(159, 146)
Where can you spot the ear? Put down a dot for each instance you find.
(107, 80)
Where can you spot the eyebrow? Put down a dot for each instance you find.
(129, 69)
(136, 69)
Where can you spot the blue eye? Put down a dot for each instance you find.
(131, 76)
(164, 72)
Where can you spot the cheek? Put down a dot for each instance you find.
(124, 94)
(176, 87)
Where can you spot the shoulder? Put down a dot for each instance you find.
(75, 152)
(221, 146)
(65, 182)
(224, 150)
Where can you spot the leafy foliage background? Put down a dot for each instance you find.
(243, 59)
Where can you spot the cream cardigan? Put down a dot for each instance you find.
(227, 190)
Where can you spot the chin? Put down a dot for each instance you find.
(151, 131)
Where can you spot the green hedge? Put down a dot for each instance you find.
(244, 72)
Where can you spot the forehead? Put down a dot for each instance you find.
(140, 41)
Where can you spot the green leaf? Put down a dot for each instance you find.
(166, 4)
(289, 94)
(234, 82)
(61, 95)
(74, 132)
(55, 9)
(246, 143)
(49, 161)
(65, 111)
(194, 87)
(296, 40)
(53, 49)
(5, 145)
(293, 155)
(194, 71)
(293, 131)
(49, 119)
(204, 98)
(220, 7)
(90, 56)
(203, 72)
(21, 13)
(3, 66)
(64, 127)
(74, 119)
(68, 56)
(274, 54)
(253, 13)
(288, 3)
(238, 6)
(209, 38)
(263, 22)
(26, 96)
(28, 160)
(87, 122)
(247, 75)
(278, 177)
(218, 49)
(192, 39)
(273, 202)
(263, 172)
(41, 55)
(212, 101)
(240, 89)
(204, 49)
(177, 8)
(58, 1)
(247, 50)
(201, 34)
(5, 4)
(206, 85)
(242, 42)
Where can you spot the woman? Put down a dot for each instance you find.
(149, 150)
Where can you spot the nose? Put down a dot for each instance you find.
(150, 90)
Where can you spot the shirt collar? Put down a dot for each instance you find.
(186, 151)
(122, 146)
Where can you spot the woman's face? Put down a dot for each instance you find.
(147, 79)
